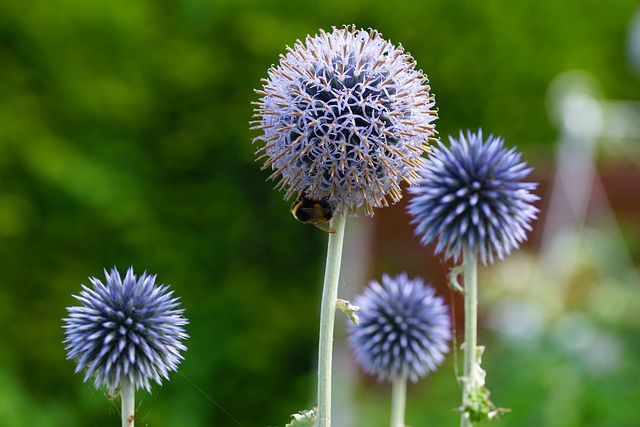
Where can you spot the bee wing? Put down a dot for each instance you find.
(316, 212)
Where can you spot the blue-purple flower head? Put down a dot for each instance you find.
(404, 328)
(471, 195)
(129, 327)
(345, 115)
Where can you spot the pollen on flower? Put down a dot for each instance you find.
(344, 115)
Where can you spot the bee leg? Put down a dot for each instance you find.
(324, 226)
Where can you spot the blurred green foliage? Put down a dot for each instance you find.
(124, 140)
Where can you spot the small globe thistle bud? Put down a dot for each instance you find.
(132, 328)
(404, 329)
(345, 115)
(471, 194)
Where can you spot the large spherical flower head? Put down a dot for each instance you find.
(471, 195)
(127, 327)
(404, 328)
(345, 115)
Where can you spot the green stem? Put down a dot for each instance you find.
(327, 319)
(127, 395)
(398, 401)
(470, 271)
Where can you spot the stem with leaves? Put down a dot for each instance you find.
(470, 271)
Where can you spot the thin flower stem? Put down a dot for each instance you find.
(127, 395)
(327, 319)
(470, 271)
(398, 401)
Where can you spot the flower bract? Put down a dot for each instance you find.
(345, 115)
(404, 328)
(129, 327)
(471, 194)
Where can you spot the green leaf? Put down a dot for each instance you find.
(305, 418)
(350, 310)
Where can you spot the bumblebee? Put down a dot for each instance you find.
(316, 212)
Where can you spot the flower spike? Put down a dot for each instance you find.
(471, 194)
(344, 115)
(125, 328)
(404, 329)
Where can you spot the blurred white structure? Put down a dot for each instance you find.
(584, 270)
(586, 123)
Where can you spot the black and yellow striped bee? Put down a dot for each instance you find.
(316, 212)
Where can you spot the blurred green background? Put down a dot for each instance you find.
(124, 140)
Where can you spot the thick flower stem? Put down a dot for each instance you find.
(127, 395)
(470, 271)
(327, 319)
(398, 400)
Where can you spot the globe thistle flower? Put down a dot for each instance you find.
(345, 115)
(404, 329)
(471, 194)
(131, 328)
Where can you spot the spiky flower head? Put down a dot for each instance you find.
(345, 115)
(129, 327)
(471, 195)
(404, 328)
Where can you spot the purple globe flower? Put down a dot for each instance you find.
(404, 329)
(132, 328)
(471, 195)
(345, 115)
